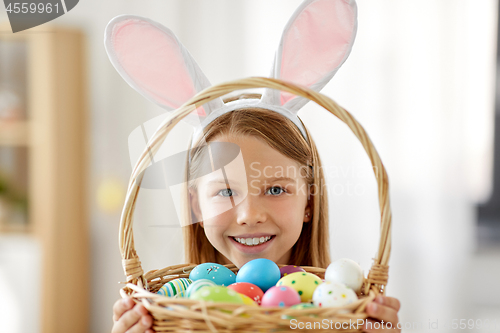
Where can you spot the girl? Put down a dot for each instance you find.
(270, 201)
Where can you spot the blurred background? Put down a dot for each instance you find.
(421, 80)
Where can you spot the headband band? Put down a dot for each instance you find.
(242, 104)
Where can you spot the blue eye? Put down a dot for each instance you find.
(275, 190)
(227, 192)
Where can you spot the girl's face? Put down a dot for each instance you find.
(255, 207)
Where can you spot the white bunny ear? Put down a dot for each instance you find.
(315, 43)
(153, 61)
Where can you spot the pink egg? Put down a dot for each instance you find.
(248, 289)
(285, 270)
(280, 296)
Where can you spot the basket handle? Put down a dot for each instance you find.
(378, 274)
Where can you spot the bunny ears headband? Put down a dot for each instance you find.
(315, 43)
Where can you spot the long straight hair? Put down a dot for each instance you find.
(312, 247)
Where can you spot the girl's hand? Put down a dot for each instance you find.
(129, 318)
(384, 310)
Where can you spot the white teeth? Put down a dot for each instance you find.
(252, 241)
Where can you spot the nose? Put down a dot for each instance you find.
(250, 211)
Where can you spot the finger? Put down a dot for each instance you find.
(143, 325)
(129, 319)
(382, 312)
(121, 306)
(389, 301)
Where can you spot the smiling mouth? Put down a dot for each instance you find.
(253, 241)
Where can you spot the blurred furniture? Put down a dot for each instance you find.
(51, 129)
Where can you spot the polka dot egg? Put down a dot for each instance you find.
(219, 274)
(280, 296)
(198, 284)
(175, 287)
(303, 282)
(333, 294)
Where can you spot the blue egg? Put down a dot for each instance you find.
(217, 273)
(264, 273)
(198, 284)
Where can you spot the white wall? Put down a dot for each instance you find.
(20, 265)
(420, 80)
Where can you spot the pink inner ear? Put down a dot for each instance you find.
(316, 43)
(200, 111)
(153, 60)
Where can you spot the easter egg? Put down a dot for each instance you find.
(345, 271)
(248, 289)
(285, 270)
(300, 306)
(217, 294)
(175, 287)
(264, 273)
(198, 284)
(219, 274)
(333, 294)
(280, 296)
(303, 283)
(247, 300)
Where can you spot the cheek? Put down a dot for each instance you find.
(214, 230)
(291, 206)
(220, 221)
(289, 213)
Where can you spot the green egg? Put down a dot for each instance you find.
(217, 294)
(300, 306)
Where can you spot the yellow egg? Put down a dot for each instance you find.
(303, 283)
(248, 301)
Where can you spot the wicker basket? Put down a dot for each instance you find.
(185, 315)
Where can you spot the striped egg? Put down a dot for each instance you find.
(175, 287)
(198, 284)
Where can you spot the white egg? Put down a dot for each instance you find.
(333, 294)
(345, 271)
